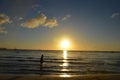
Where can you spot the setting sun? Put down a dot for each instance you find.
(65, 44)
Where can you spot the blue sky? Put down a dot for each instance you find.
(42, 24)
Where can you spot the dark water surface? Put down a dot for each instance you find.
(58, 62)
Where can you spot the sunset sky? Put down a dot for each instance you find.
(43, 24)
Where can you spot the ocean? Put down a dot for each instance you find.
(27, 62)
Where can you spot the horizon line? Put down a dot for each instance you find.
(61, 50)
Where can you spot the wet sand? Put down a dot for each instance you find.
(57, 77)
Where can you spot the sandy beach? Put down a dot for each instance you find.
(57, 77)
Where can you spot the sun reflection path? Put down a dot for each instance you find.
(65, 54)
(65, 64)
(65, 75)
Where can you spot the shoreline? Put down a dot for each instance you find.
(58, 77)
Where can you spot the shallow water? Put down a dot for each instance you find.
(58, 62)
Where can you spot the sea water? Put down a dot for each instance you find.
(27, 62)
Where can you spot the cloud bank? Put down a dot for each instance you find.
(114, 15)
(51, 23)
(3, 20)
(41, 20)
(35, 22)
(32, 23)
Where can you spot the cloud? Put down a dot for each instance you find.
(2, 30)
(51, 23)
(41, 20)
(114, 15)
(4, 19)
(66, 17)
(35, 22)
(18, 18)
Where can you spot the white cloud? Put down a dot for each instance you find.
(40, 21)
(4, 19)
(114, 15)
(35, 22)
(66, 17)
(51, 23)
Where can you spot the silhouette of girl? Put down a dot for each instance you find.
(41, 62)
(41, 59)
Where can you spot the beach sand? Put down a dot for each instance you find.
(57, 77)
